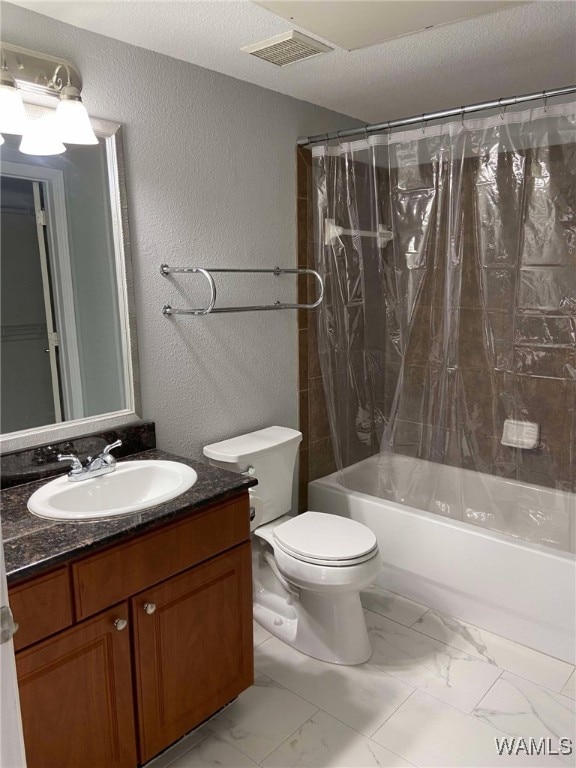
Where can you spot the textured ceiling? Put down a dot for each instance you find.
(517, 50)
(353, 24)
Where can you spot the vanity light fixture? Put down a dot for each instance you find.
(72, 121)
(40, 76)
(41, 137)
(12, 112)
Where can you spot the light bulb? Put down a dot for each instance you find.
(12, 112)
(40, 138)
(1, 139)
(73, 123)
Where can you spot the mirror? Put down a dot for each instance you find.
(68, 342)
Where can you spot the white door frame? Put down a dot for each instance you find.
(62, 283)
(41, 224)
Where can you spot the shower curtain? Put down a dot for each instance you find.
(449, 256)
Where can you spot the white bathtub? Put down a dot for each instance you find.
(520, 590)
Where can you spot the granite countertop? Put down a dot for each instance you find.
(33, 544)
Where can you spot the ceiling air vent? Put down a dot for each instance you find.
(286, 49)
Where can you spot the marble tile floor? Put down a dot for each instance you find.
(437, 693)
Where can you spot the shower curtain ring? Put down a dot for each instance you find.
(424, 123)
(462, 113)
(366, 132)
(502, 109)
(545, 99)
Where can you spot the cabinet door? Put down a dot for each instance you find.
(76, 696)
(193, 647)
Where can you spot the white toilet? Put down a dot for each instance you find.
(308, 570)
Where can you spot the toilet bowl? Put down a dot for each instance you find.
(308, 569)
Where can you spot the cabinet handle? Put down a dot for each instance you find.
(120, 624)
(149, 608)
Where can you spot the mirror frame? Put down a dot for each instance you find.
(12, 441)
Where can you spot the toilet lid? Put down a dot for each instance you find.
(320, 537)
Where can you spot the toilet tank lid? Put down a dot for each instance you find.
(246, 447)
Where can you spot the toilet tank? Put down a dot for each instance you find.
(271, 453)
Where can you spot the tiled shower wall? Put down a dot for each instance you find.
(316, 456)
(532, 378)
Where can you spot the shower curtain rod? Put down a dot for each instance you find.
(426, 117)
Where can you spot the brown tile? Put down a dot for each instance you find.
(303, 359)
(306, 154)
(321, 459)
(549, 462)
(314, 370)
(406, 437)
(303, 171)
(302, 319)
(472, 350)
(302, 249)
(543, 401)
(505, 407)
(570, 420)
(420, 394)
(302, 221)
(305, 249)
(544, 361)
(432, 287)
(303, 475)
(534, 330)
(311, 223)
(506, 461)
(304, 417)
(498, 288)
(536, 478)
(318, 414)
(303, 289)
(419, 346)
(412, 393)
(470, 451)
(499, 328)
(470, 296)
(481, 410)
(391, 375)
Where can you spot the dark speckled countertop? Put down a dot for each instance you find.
(32, 544)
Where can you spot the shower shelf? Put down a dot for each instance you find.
(210, 308)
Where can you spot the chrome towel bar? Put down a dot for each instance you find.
(210, 308)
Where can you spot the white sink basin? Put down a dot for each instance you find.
(132, 487)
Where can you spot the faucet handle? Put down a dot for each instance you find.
(76, 463)
(106, 457)
(108, 448)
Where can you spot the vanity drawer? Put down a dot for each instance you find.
(41, 606)
(123, 570)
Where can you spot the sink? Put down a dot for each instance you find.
(132, 487)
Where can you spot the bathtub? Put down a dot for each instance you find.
(520, 590)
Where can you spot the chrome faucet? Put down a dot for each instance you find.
(101, 465)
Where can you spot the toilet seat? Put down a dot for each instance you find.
(327, 540)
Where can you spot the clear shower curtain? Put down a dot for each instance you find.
(449, 255)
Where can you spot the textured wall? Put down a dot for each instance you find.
(211, 174)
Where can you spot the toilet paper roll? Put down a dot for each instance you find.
(256, 511)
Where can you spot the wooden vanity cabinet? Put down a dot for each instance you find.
(76, 697)
(119, 686)
(193, 647)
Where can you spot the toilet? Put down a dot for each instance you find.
(308, 569)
